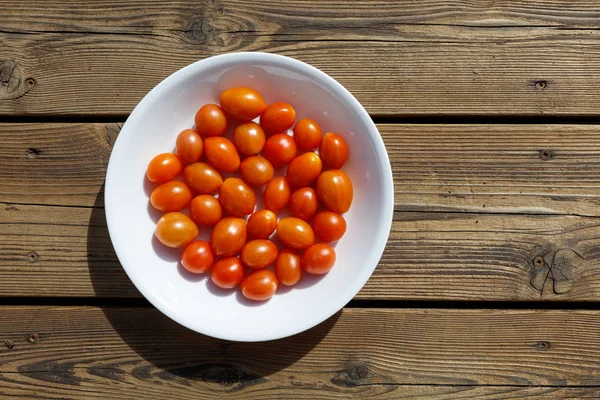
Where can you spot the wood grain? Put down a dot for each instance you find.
(133, 353)
(536, 57)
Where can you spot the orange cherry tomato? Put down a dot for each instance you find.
(205, 210)
(295, 233)
(236, 197)
(256, 170)
(260, 285)
(307, 134)
(164, 167)
(197, 257)
(189, 146)
(175, 230)
(280, 149)
(277, 117)
(288, 267)
(329, 226)
(318, 259)
(171, 196)
(335, 190)
(210, 120)
(277, 194)
(242, 103)
(249, 138)
(202, 178)
(262, 224)
(333, 151)
(259, 253)
(228, 236)
(222, 154)
(304, 169)
(304, 203)
(227, 273)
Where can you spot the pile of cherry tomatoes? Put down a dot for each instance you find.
(313, 188)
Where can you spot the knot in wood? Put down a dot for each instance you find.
(9, 344)
(351, 376)
(10, 78)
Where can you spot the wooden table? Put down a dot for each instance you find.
(489, 285)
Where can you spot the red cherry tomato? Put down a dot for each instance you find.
(256, 170)
(277, 194)
(189, 146)
(249, 138)
(175, 230)
(295, 233)
(197, 257)
(171, 196)
(259, 253)
(318, 259)
(333, 151)
(329, 226)
(280, 149)
(260, 285)
(288, 267)
(242, 103)
(277, 117)
(222, 154)
(164, 167)
(202, 178)
(210, 120)
(228, 236)
(227, 273)
(236, 197)
(335, 189)
(205, 210)
(307, 134)
(304, 170)
(262, 224)
(304, 203)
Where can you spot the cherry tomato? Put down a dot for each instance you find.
(329, 226)
(304, 169)
(304, 203)
(295, 233)
(318, 259)
(175, 230)
(222, 154)
(242, 103)
(189, 146)
(288, 267)
(277, 194)
(280, 149)
(333, 151)
(335, 190)
(249, 138)
(227, 273)
(277, 117)
(260, 285)
(256, 170)
(228, 236)
(236, 197)
(205, 210)
(259, 253)
(171, 196)
(164, 167)
(307, 134)
(197, 257)
(262, 224)
(210, 120)
(202, 178)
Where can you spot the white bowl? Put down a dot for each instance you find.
(194, 301)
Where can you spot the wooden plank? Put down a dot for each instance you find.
(512, 58)
(133, 353)
(66, 251)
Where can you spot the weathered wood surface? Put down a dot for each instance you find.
(433, 57)
(383, 354)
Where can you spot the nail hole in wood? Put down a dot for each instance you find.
(542, 346)
(538, 262)
(541, 84)
(33, 338)
(32, 256)
(29, 83)
(545, 155)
